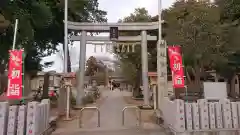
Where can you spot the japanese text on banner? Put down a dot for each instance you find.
(14, 90)
(176, 66)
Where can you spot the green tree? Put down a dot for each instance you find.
(97, 70)
(129, 71)
(79, 11)
(91, 66)
(41, 27)
(34, 15)
(229, 18)
(3, 54)
(229, 11)
(195, 26)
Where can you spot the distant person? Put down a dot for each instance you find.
(113, 85)
(110, 85)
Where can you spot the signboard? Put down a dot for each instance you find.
(114, 33)
(174, 53)
(15, 70)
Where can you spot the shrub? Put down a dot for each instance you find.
(87, 99)
(73, 100)
(96, 94)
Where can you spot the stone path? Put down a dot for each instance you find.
(111, 112)
(111, 120)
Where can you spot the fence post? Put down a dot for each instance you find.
(32, 118)
(41, 120)
(21, 120)
(12, 120)
(47, 112)
(3, 117)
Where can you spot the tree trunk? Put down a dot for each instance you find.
(136, 89)
(3, 79)
(45, 86)
(189, 81)
(197, 77)
(68, 61)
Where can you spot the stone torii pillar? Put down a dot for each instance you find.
(144, 57)
(82, 59)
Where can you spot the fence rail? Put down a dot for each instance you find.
(81, 114)
(30, 119)
(202, 116)
(131, 107)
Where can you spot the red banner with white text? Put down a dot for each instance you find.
(15, 70)
(176, 65)
(173, 51)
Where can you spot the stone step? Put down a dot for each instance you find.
(111, 131)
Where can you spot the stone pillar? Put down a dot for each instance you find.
(162, 72)
(144, 58)
(62, 100)
(82, 60)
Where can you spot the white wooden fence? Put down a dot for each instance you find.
(30, 119)
(202, 117)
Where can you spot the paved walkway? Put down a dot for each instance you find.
(111, 112)
(111, 119)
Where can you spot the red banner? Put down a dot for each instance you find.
(15, 74)
(174, 53)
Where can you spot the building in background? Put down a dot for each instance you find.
(37, 81)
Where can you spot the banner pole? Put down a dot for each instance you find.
(15, 34)
(23, 55)
(185, 77)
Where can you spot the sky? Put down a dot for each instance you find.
(116, 9)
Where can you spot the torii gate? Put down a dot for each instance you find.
(114, 28)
